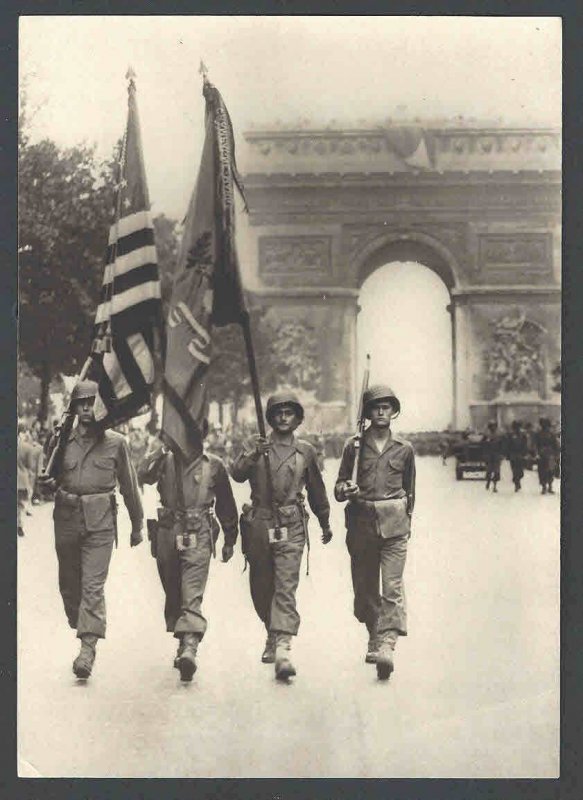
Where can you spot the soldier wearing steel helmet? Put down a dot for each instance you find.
(94, 460)
(378, 521)
(275, 558)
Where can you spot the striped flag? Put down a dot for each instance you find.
(207, 286)
(128, 323)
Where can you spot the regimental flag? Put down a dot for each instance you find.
(207, 286)
(128, 324)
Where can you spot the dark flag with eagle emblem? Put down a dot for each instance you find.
(207, 286)
(128, 323)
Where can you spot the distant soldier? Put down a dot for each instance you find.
(94, 460)
(25, 462)
(275, 527)
(185, 537)
(516, 450)
(378, 519)
(547, 448)
(493, 452)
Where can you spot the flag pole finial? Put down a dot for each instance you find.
(130, 77)
(203, 70)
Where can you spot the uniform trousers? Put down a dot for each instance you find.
(375, 560)
(184, 575)
(83, 558)
(274, 568)
(517, 467)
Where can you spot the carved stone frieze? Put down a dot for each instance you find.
(510, 257)
(479, 147)
(295, 260)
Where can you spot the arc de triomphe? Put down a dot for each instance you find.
(479, 205)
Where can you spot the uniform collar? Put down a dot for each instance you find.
(391, 441)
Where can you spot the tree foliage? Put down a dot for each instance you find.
(65, 203)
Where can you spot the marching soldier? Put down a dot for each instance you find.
(548, 450)
(516, 449)
(85, 520)
(274, 528)
(184, 538)
(378, 519)
(493, 452)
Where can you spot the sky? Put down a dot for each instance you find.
(286, 70)
(269, 69)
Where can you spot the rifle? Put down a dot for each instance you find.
(361, 420)
(55, 457)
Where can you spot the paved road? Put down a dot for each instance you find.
(475, 691)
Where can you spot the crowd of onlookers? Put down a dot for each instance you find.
(523, 445)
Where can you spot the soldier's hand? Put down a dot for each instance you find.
(351, 490)
(261, 446)
(227, 553)
(326, 535)
(47, 482)
(136, 538)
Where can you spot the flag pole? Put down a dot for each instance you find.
(101, 340)
(246, 327)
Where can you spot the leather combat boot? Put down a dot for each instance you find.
(187, 659)
(372, 651)
(268, 655)
(284, 668)
(178, 651)
(385, 663)
(84, 662)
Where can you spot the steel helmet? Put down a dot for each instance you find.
(380, 392)
(83, 390)
(283, 399)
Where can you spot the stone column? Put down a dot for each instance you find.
(462, 377)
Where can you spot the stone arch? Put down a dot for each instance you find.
(407, 245)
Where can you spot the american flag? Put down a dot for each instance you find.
(128, 323)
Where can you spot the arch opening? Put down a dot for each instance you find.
(405, 325)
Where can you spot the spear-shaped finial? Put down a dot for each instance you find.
(203, 70)
(130, 77)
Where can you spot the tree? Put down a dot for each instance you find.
(294, 357)
(556, 375)
(65, 207)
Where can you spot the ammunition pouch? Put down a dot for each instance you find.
(153, 525)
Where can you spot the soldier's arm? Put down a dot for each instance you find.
(242, 466)
(409, 480)
(225, 506)
(344, 471)
(151, 466)
(316, 491)
(128, 486)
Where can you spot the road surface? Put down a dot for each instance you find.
(475, 692)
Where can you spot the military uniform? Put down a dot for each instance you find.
(275, 568)
(548, 451)
(85, 522)
(378, 532)
(493, 452)
(24, 467)
(184, 572)
(516, 450)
